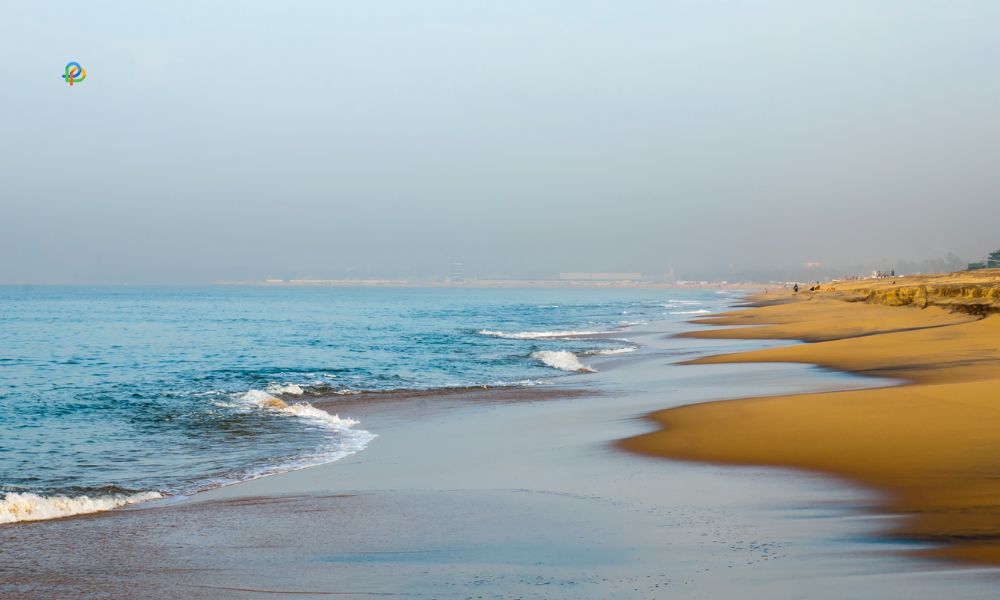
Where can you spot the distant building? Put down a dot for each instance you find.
(587, 276)
(457, 274)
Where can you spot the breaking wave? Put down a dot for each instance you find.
(347, 440)
(562, 360)
(18, 506)
(275, 405)
(32, 507)
(290, 389)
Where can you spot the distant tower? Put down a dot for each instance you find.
(457, 272)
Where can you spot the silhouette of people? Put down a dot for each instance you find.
(795, 288)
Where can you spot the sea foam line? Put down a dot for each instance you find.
(538, 335)
(26, 506)
(610, 351)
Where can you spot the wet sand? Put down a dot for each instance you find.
(930, 445)
(506, 494)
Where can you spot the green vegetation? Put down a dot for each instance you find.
(990, 262)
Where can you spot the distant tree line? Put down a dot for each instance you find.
(990, 262)
(948, 264)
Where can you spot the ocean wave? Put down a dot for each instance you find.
(347, 439)
(610, 351)
(700, 311)
(562, 360)
(539, 335)
(26, 506)
(267, 401)
(288, 389)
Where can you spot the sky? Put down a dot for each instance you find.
(244, 140)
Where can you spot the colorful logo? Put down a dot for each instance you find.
(74, 73)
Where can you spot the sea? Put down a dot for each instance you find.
(111, 396)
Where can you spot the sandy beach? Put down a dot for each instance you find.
(510, 494)
(928, 444)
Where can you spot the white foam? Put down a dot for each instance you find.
(348, 440)
(27, 506)
(562, 360)
(520, 383)
(700, 311)
(539, 335)
(288, 389)
(31, 507)
(265, 400)
(611, 351)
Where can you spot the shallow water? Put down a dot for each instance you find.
(116, 393)
(509, 493)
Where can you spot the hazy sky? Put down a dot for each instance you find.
(249, 139)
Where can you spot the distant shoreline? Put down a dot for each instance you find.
(497, 283)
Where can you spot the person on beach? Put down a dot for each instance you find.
(795, 288)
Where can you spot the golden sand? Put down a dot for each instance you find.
(931, 444)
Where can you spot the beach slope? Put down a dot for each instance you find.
(931, 443)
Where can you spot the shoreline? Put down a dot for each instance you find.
(504, 497)
(472, 284)
(925, 443)
(393, 404)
